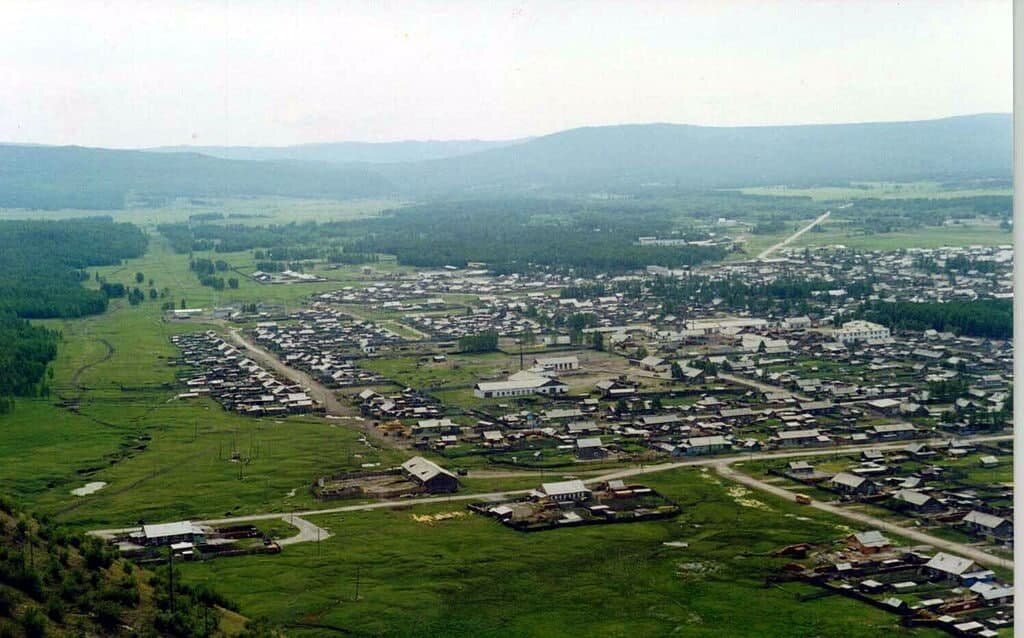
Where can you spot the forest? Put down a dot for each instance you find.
(990, 318)
(25, 350)
(891, 215)
(42, 264)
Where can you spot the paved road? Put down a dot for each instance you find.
(961, 549)
(768, 251)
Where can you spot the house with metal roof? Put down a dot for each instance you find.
(434, 478)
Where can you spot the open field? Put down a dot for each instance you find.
(881, 190)
(256, 210)
(470, 576)
(966, 234)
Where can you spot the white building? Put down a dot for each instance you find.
(573, 490)
(557, 364)
(518, 385)
(860, 331)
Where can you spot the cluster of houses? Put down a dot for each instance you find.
(457, 325)
(285, 277)
(221, 371)
(326, 343)
(407, 404)
(917, 480)
(939, 590)
(571, 503)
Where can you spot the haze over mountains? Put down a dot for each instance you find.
(345, 152)
(627, 158)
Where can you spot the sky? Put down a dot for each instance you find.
(130, 74)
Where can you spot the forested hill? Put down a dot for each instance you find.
(49, 177)
(631, 157)
(343, 152)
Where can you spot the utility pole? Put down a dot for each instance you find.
(358, 570)
(170, 577)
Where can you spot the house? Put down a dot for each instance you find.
(800, 468)
(886, 406)
(948, 567)
(590, 448)
(870, 542)
(817, 407)
(984, 524)
(741, 415)
(891, 431)
(434, 478)
(697, 445)
(658, 420)
(988, 461)
(993, 593)
(518, 385)
(919, 451)
(557, 364)
(565, 491)
(916, 501)
(853, 485)
(654, 364)
(792, 438)
(615, 389)
(171, 533)
(433, 427)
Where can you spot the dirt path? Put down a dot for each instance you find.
(785, 242)
(82, 368)
(961, 549)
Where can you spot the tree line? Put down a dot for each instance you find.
(990, 318)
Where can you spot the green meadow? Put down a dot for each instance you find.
(470, 576)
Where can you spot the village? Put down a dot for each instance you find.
(464, 370)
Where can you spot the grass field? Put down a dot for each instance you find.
(262, 210)
(470, 576)
(881, 190)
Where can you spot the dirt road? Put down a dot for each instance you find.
(317, 390)
(721, 464)
(758, 385)
(307, 531)
(768, 251)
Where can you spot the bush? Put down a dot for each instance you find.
(34, 623)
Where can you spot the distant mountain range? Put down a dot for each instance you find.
(628, 158)
(616, 158)
(345, 152)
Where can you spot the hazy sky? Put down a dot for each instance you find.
(138, 73)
